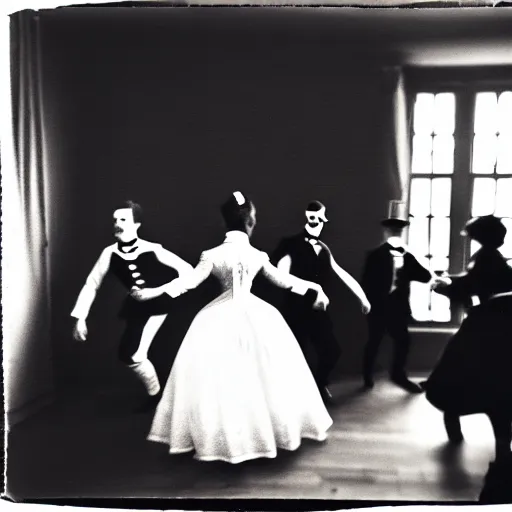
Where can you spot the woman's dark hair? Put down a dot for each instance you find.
(489, 231)
(134, 207)
(237, 216)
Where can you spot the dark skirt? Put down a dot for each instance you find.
(474, 374)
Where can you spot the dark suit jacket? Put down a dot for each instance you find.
(306, 264)
(378, 276)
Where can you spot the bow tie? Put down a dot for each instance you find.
(311, 240)
(400, 250)
(127, 247)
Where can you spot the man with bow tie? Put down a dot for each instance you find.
(137, 264)
(307, 257)
(388, 272)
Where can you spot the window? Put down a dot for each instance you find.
(430, 196)
(461, 140)
(492, 161)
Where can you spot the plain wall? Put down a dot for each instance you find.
(176, 115)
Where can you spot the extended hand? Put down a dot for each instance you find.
(80, 330)
(366, 307)
(145, 293)
(322, 301)
(440, 282)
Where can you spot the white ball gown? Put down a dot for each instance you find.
(240, 387)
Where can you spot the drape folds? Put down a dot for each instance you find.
(28, 372)
(397, 138)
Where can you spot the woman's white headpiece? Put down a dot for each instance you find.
(240, 199)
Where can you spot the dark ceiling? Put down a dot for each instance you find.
(410, 36)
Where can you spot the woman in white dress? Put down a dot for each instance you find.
(240, 387)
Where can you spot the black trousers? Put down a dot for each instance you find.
(314, 331)
(501, 421)
(395, 324)
(132, 337)
(502, 425)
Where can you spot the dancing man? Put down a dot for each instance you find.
(388, 272)
(137, 264)
(307, 257)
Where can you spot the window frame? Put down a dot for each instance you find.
(465, 83)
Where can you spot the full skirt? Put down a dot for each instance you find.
(474, 374)
(240, 387)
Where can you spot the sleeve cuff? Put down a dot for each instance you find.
(300, 288)
(77, 315)
(173, 289)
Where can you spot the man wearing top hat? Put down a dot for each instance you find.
(387, 275)
(307, 257)
(136, 264)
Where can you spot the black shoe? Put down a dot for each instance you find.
(149, 404)
(498, 483)
(404, 383)
(453, 430)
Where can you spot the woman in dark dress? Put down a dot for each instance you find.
(474, 374)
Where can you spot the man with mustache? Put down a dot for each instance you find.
(137, 264)
(307, 257)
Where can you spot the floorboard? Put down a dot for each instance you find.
(384, 445)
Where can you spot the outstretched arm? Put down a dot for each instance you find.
(460, 288)
(351, 283)
(419, 271)
(190, 280)
(171, 260)
(281, 277)
(285, 264)
(88, 294)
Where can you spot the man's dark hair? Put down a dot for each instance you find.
(134, 207)
(315, 206)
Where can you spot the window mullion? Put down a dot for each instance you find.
(462, 182)
(461, 187)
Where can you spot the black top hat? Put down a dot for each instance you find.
(397, 215)
(487, 230)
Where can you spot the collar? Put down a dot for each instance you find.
(127, 244)
(308, 236)
(237, 237)
(127, 247)
(396, 243)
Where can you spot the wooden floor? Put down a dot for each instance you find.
(384, 445)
